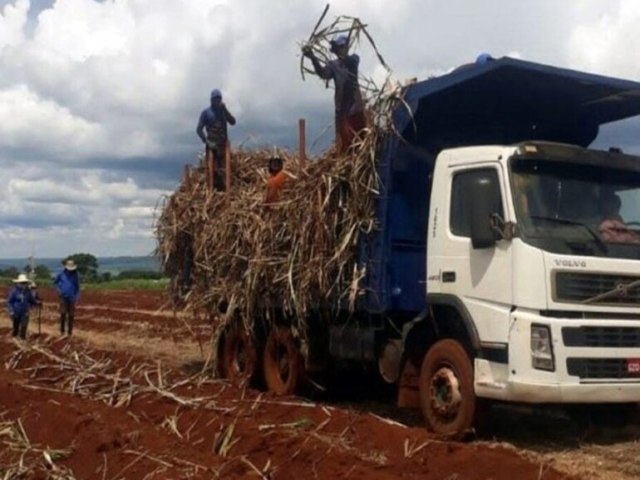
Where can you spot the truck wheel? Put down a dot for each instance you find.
(239, 356)
(282, 362)
(447, 397)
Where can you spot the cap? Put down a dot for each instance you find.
(340, 40)
(216, 93)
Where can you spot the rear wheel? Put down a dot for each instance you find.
(447, 397)
(282, 362)
(239, 362)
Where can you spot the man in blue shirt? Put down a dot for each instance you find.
(212, 130)
(349, 105)
(68, 287)
(19, 302)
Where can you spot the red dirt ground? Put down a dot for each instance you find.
(271, 438)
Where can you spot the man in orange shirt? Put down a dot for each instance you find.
(276, 180)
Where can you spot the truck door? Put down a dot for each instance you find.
(480, 278)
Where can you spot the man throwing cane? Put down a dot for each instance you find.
(68, 287)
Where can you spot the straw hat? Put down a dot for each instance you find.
(22, 278)
(70, 265)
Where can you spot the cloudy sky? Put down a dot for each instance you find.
(99, 99)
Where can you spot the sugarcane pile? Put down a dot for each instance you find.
(292, 254)
(237, 254)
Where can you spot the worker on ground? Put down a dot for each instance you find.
(277, 178)
(19, 302)
(68, 287)
(212, 130)
(349, 105)
(33, 286)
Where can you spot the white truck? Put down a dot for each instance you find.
(532, 246)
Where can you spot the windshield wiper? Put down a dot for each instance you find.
(566, 221)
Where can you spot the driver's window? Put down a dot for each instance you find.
(460, 213)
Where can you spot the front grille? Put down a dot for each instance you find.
(599, 368)
(574, 287)
(611, 337)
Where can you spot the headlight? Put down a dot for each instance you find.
(541, 348)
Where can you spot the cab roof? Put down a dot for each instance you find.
(507, 101)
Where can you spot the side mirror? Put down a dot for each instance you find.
(484, 198)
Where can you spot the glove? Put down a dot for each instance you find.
(307, 51)
(210, 144)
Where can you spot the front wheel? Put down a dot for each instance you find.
(447, 397)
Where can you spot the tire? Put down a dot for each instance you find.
(282, 362)
(239, 359)
(447, 396)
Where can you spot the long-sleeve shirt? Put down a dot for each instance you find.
(67, 285)
(213, 121)
(344, 73)
(19, 301)
(274, 184)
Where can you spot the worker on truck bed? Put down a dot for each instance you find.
(68, 287)
(212, 130)
(19, 302)
(276, 180)
(349, 106)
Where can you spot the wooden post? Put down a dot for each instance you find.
(186, 180)
(209, 168)
(227, 167)
(302, 141)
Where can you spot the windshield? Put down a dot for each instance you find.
(572, 208)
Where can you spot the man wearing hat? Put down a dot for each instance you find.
(212, 130)
(68, 288)
(19, 302)
(349, 106)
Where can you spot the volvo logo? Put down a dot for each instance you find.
(570, 263)
(622, 290)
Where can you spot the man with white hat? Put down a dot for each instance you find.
(68, 287)
(212, 130)
(349, 106)
(19, 302)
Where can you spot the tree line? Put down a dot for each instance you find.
(87, 269)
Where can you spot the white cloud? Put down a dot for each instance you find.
(13, 18)
(90, 87)
(604, 45)
(30, 121)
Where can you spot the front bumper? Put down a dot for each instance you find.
(583, 373)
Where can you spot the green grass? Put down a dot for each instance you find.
(131, 284)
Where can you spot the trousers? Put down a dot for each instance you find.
(67, 314)
(20, 325)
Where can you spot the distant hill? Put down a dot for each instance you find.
(114, 265)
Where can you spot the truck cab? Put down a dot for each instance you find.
(525, 284)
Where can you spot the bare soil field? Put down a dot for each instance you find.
(125, 398)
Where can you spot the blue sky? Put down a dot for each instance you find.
(99, 99)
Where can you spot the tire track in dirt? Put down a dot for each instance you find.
(226, 434)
